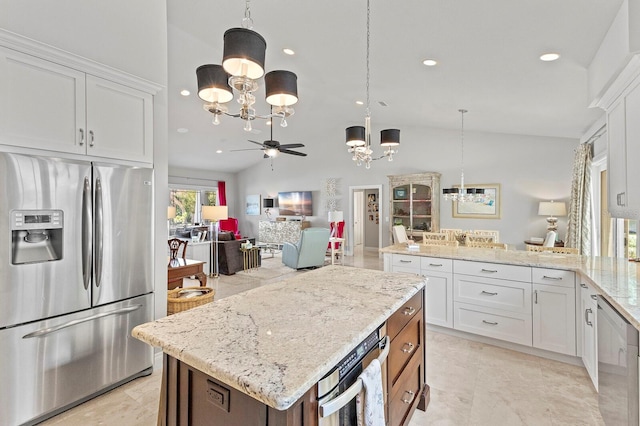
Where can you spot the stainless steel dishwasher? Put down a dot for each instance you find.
(617, 367)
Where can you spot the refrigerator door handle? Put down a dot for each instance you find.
(46, 331)
(86, 233)
(99, 231)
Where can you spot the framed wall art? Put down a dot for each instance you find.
(488, 209)
(253, 205)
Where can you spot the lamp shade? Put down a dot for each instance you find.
(171, 212)
(355, 135)
(268, 203)
(281, 88)
(336, 216)
(390, 137)
(213, 84)
(549, 208)
(244, 52)
(215, 213)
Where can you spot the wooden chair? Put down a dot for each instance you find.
(438, 236)
(440, 243)
(174, 247)
(451, 233)
(562, 250)
(479, 238)
(490, 232)
(480, 244)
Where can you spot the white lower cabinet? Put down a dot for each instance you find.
(496, 323)
(588, 317)
(439, 290)
(554, 316)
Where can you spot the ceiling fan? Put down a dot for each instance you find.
(272, 148)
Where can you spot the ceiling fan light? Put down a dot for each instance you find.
(213, 84)
(271, 152)
(390, 137)
(355, 135)
(281, 88)
(244, 53)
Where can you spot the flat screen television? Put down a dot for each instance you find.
(295, 203)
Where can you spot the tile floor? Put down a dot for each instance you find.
(471, 383)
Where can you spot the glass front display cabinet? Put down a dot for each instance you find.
(415, 203)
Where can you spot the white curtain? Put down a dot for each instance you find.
(579, 227)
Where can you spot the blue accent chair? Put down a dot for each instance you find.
(309, 252)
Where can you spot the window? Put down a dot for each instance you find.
(188, 203)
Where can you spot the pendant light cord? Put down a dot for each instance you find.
(462, 111)
(247, 21)
(368, 50)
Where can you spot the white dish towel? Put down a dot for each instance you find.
(370, 402)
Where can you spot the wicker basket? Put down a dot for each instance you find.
(179, 304)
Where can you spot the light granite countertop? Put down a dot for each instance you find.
(616, 279)
(277, 341)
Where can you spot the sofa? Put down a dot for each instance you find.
(230, 257)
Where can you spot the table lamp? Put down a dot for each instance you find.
(171, 214)
(335, 217)
(552, 209)
(214, 214)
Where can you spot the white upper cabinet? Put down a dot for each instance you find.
(48, 106)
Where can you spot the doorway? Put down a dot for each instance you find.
(365, 219)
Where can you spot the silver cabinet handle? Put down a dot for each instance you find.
(535, 295)
(411, 397)
(491, 271)
(49, 330)
(488, 293)
(435, 264)
(546, 277)
(81, 137)
(408, 347)
(91, 138)
(345, 397)
(404, 261)
(489, 322)
(583, 285)
(594, 297)
(586, 316)
(409, 310)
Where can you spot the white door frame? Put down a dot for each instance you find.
(350, 228)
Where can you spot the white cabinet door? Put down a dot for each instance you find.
(554, 318)
(42, 104)
(439, 298)
(588, 318)
(616, 158)
(119, 121)
(632, 114)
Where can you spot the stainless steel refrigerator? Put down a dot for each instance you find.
(76, 275)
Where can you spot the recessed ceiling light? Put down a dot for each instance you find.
(548, 57)
(359, 103)
(185, 92)
(288, 51)
(219, 151)
(182, 130)
(430, 62)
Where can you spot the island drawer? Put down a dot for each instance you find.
(408, 311)
(407, 343)
(496, 323)
(512, 296)
(493, 270)
(406, 262)
(436, 264)
(405, 395)
(554, 277)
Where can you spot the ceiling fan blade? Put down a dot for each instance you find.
(246, 149)
(292, 145)
(257, 143)
(286, 151)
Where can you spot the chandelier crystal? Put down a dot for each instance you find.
(462, 194)
(242, 67)
(358, 138)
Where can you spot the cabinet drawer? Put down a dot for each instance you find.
(554, 277)
(512, 296)
(403, 397)
(510, 326)
(406, 344)
(436, 264)
(406, 261)
(492, 270)
(408, 311)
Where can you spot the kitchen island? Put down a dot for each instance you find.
(262, 352)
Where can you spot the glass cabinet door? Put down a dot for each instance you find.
(421, 208)
(402, 205)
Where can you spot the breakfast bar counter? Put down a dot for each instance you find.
(275, 342)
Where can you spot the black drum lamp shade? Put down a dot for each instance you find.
(355, 135)
(213, 84)
(390, 137)
(281, 87)
(244, 53)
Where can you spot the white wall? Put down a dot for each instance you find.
(529, 169)
(129, 36)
